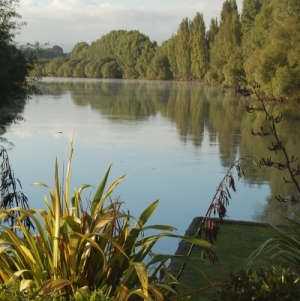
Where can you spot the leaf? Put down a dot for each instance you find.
(2, 249)
(24, 284)
(107, 194)
(123, 293)
(15, 277)
(228, 192)
(138, 227)
(49, 285)
(160, 227)
(156, 293)
(100, 190)
(140, 293)
(28, 253)
(231, 184)
(143, 276)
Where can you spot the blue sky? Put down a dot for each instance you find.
(66, 22)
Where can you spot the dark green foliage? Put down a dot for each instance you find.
(274, 284)
(51, 53)
(250, 9)
(111, 69)
(171, 44)
(131, 51)
(93, 68)
(199, 49)
(79, 70)
(15, 67)
(130, 48)
(159, 68)
(105, 67)
(13, 73)
(182, 50)
(213, 30)
(272, 58)
(11, 292)
(79, 51)
(226, 48)
(52, 69)
(16, 63)
(67, 68)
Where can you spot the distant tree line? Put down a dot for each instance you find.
(262, 43)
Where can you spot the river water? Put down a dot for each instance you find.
(174, 140)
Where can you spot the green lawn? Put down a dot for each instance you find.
(235, 243)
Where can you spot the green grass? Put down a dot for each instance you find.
(235, 243)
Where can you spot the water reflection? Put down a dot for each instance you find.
(10, 113)
(195, 109)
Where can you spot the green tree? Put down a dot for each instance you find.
(93, 69)
(212, 32)
(199, 48)
(274, 44)
(143, 61)
(79, 70)
(52, 68)
(182, 50)
(111, 70)
(16, 64)
(249, 12)
(67, 68)
(171, 44)
(159, 68)
(226, 48)
(129, 51)
(80, 51)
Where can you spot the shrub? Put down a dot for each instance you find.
(270, 284)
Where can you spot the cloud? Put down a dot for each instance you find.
(66, 22)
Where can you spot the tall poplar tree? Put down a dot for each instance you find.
(249, 12)
(226, 63)
(171, 44)
(212, 32)
(182, 50)
(198, 48)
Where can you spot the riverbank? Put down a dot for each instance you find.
(236, 241)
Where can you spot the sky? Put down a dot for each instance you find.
(67, 22)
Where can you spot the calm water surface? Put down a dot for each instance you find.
(175, 141)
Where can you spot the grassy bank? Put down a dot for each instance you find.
(235, 243)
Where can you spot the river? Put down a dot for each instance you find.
(174, 140)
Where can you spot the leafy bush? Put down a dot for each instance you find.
(271, 284)
(13, 291)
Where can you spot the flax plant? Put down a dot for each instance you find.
(74, 251)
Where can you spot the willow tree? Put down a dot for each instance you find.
(52, 68)
(132, 55)
(147, 52)
(159, 68)
(67, 68)
(226, 63)
(80, 51)
(198, 48)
